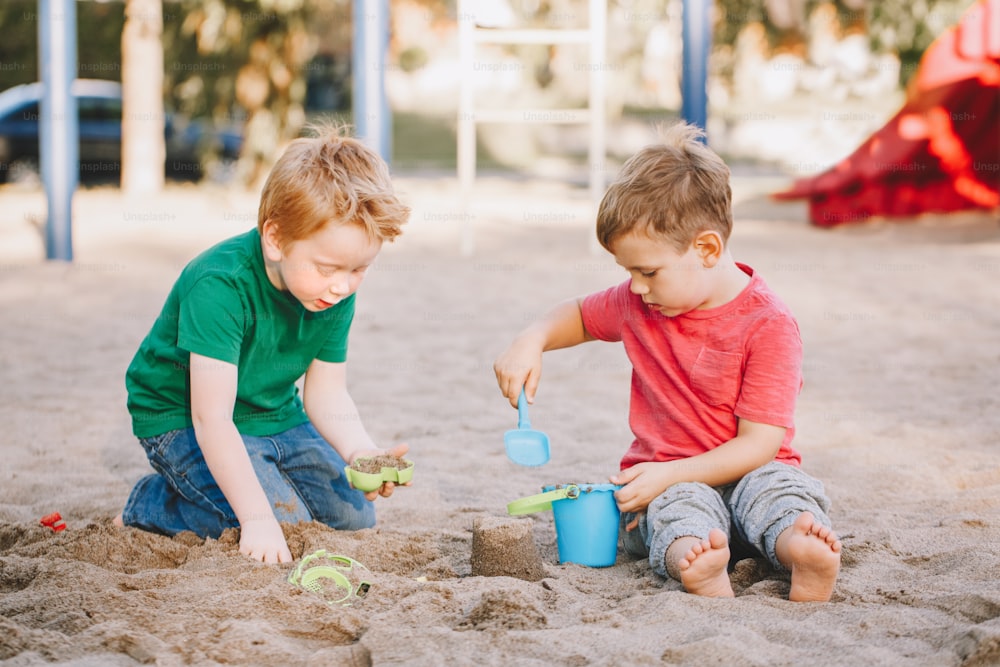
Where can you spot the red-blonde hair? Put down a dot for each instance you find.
(330, 178)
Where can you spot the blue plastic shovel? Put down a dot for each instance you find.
(525, 446)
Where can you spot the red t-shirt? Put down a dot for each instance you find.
(694, 374)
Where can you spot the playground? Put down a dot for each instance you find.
(898, 417)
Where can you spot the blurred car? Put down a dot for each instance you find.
(188, 142)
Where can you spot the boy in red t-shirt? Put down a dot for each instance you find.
(716, 361)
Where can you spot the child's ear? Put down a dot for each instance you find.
(709, 246)
(269, 237)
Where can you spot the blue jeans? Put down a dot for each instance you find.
(301, 474)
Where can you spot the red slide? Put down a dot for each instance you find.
(940, 152)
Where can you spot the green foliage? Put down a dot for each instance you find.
(412, 59)
(733, 15)
(206, 42)
(99, 36)
(903, 27)
(907, 27)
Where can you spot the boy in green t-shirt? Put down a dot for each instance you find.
(212, 389)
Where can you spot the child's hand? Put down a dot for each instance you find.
(399, 451)
(642, 483)
(263, 540)
(519, 366)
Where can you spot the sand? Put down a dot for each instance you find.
(899, 416)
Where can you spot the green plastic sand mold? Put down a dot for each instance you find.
(370, 481)
(317, 571)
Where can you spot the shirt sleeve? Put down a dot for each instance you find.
(772, 377)
(605, 312)
(211, 320)
(334, 349)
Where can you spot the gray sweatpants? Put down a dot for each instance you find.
(756, 510)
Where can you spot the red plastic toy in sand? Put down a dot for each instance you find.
(53, 521)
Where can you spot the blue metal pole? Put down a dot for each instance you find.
(696, 35)
(370, 43)
(59, 131)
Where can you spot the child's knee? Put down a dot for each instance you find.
(359, 520)
(777, 488)
(349, 515)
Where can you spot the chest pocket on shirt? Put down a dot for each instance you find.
(716, 376)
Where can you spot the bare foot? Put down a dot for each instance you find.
(117, 521)
(812, 552)
(702, 564)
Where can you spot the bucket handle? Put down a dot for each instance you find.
(542, 502)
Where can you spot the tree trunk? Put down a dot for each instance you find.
(143, 147)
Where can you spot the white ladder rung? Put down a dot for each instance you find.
(555, 116)
(531, 36)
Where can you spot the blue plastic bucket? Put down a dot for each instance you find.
(586, 519)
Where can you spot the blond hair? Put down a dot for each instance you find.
(673, 190)
(330, 178)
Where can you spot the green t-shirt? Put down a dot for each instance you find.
(223, 306)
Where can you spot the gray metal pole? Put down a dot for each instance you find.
(59, 131)
(372, 119)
